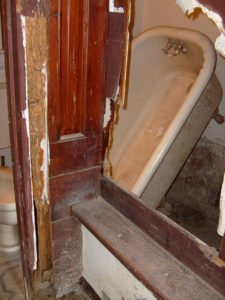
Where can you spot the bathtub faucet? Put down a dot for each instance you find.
(174, 47)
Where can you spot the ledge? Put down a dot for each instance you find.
(147, 258)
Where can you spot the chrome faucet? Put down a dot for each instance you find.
(174, 47)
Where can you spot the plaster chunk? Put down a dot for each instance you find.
(114, 9)
(221, 225)
(188, 6)
(107, 116)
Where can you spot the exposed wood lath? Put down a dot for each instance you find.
(36, 80)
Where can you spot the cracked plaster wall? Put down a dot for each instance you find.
(150, 13)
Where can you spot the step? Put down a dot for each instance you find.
(147, 260)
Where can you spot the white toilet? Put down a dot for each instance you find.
(9, 239)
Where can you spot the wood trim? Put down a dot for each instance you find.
(69, 189)
(200, 258)
(15, 64)
(75, 155)
(67, 255)
(164, 275)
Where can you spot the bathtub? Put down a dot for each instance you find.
(171, 98)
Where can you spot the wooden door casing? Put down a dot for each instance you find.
(77, 35)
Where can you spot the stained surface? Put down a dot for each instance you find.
(11, 283)
(169, 279)
(193, 199)
(171, 95)
(200, 258)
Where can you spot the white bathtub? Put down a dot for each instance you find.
(170, 102)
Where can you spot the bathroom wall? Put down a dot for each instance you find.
(5, 149)
(150, 13)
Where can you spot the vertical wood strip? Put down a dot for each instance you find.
(36, 61)
(15, 73)
(74, 161)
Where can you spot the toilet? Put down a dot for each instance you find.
(9, 239)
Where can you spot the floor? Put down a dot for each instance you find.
(193, 199)
(194, 222)
(11, 286)
(11, 283)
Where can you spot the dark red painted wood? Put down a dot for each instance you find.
(30, 8)
(189, 250)
(14, 55)
(71, 38)
(77, 59)
(115, 48)
(69, 189)
(74, 155)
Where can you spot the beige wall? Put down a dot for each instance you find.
(150, 13)
(4, 126)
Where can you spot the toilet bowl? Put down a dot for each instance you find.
(9, 239)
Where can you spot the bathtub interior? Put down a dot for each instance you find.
(157, 89)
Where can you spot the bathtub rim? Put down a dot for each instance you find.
(204, 76)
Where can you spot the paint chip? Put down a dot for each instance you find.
(188, 6)
(221, 225)
(114, 9)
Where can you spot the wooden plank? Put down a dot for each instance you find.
(66, 255)
(74, 155)
(96, 68)
(72, 188)
(115, 49)
(200, 258)
(161, 272)
(77, 42)
(15, 64)
(76, 67)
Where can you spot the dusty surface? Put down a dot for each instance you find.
(36, 58)
(194, 222)
(193, 199)
(170, 95)
(199, 182)
(11, 283)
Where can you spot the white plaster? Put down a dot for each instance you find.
(45, 143)
(25, 288)
(107, 115)
(114, 9)
(221, 225)
(188, 6)
(25, 115)
(220, 44)
(107, 275)
(44, 168)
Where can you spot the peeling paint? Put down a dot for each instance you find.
(45, 143)
(221, 225)
(25, 288)
(114, 9)
(188, 6)
(36, 49)
(44, 168)
(108, 113)
(25, 115)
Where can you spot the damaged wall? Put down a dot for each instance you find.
(34, 30)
